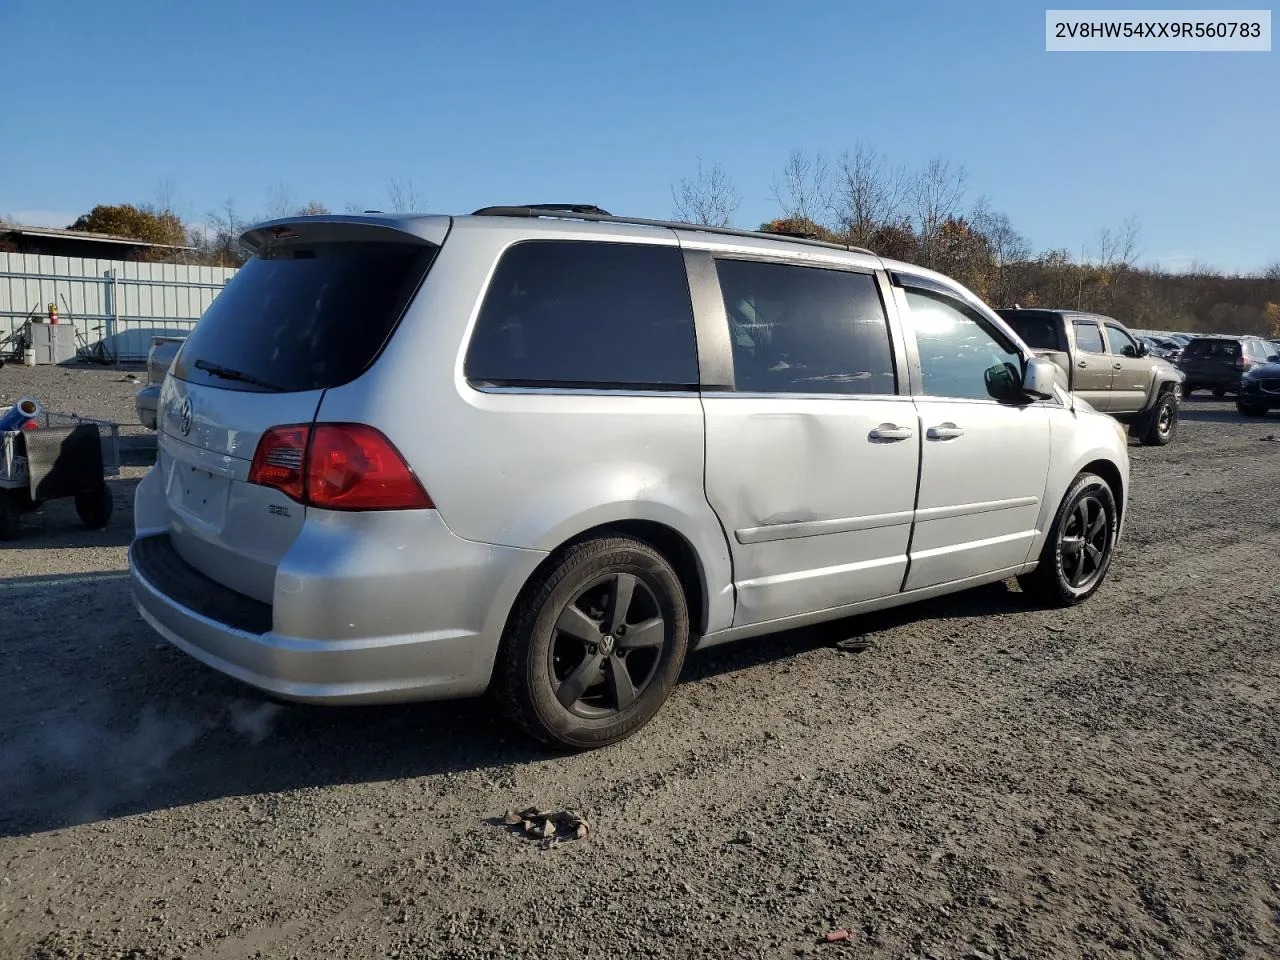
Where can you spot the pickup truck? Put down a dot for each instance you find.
(159, 359)
(1107, 367)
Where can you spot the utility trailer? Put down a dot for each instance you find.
(64, 456)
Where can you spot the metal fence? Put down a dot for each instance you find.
(119, 302)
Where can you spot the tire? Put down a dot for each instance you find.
(556, 645)
(1162, 425)
(1187, 391)
(94, 507)
(1050, 584)
(1249, 409)
(9, 514)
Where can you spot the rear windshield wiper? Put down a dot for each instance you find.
(226, 373)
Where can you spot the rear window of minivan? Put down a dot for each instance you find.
(309, 316)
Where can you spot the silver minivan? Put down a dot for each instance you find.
(543, 452)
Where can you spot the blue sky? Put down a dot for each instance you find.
(492, 102)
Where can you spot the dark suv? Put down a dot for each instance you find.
(1217, 362)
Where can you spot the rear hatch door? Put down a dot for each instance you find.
(311, 311)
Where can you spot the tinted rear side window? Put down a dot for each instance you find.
(1039, 332)
(577, 313)
(805, 330)
(306, 317)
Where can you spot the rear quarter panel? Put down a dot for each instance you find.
(532, 468)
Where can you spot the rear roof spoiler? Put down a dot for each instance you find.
(337, 227)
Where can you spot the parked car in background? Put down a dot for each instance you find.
(1260, 388)
(545, 451)
(1218, 362)
(159, 359)
(1162, 347)
(1107, 366)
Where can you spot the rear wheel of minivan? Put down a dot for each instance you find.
(1078, 550)
(595, 644)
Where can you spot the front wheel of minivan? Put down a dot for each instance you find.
(1078, 550)
(595, 644)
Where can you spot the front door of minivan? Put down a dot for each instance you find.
(984, 463)
(811, 457)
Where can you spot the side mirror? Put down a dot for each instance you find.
(1039, 377)
(1143, 349)
(1002, 382)
(1274, 358)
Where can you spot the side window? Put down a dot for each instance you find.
(1038, 333)
(1089, 337)
(1122, 344)
(805, 329)
(959, 356)
(577, 313)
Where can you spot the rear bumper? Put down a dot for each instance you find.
(147, 403)
(305, 647)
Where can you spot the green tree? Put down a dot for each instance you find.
(139, 223)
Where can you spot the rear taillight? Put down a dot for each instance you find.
(337, 466)
(279, 460)
(1242, 363)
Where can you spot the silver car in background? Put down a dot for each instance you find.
(545, 451)
(159, 358)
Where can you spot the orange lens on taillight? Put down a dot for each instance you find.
(337, 466)
(279, 460)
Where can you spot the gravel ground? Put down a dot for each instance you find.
(986, 780)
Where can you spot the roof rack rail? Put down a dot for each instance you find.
(594, 214)
(542, 210)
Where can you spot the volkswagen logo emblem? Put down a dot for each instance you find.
(184, 417)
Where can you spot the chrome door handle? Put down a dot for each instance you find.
(890, 431)
(1116, 366)
(944, 431)
(1083, 365)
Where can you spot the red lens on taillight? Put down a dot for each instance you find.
(278, 461)
(337, 466)
(354, 467)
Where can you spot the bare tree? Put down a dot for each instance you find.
(165, 199)
(936, 193)
(868, 193)
(1119, 248)
(804, 190)
(403, 196)
(708, 197)
(1007, 244)
(226, 226)
(353, 208)
(313, 208)
(1272, 271)
(280, 201)
(1006, 248)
